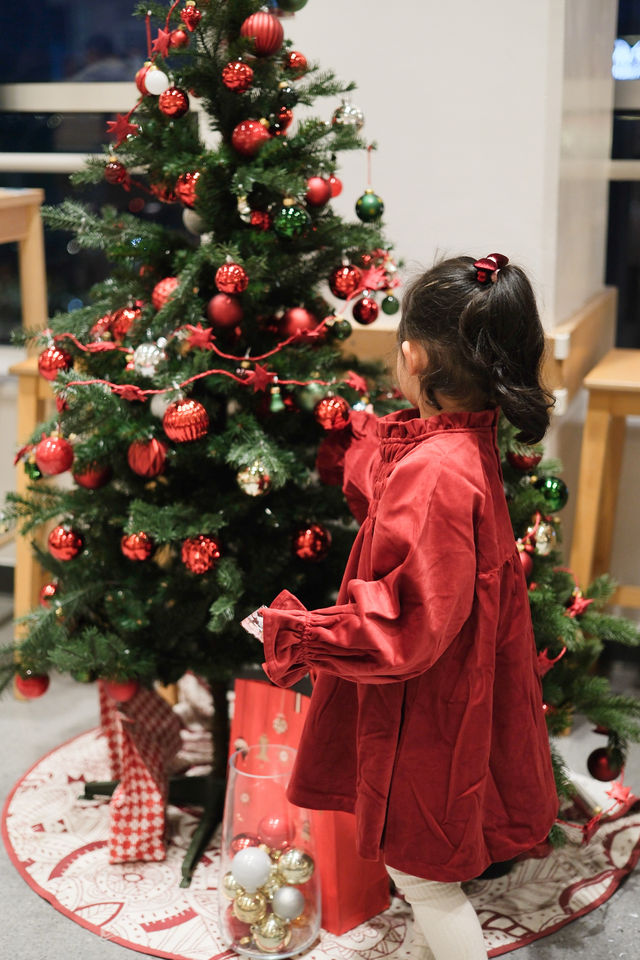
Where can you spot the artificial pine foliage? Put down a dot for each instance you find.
(239, 468)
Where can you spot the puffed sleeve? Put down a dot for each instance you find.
(396, 625)
(348, 457)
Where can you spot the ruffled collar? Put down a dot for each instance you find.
(408, 427)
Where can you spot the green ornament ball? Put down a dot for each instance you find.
(291, 223)
(390, 305)
(369, 206)
(340, 329)
(554, 490)
(292, 6)
(309, 395)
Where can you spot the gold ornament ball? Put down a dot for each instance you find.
(230, 886)
(273, 884)
(295, 865)
(272, 934)
(250, 907)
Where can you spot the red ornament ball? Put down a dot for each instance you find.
(265, 30)
(243, 840)
(237, 76)
(121, 691)
(102, 327)
(163, 291)
(248, 137)
(64, 543)
(276, 831)
(312, 542)
(52, 360)
(318, 191)
(224, 311)
(298, 320)
(137, 546)
(524, 462)
(199, 554)
(296, 63)
(332, 413)
(47, 593)
(344, 281)
(122, 321)
(601, 766)
(179, 38)
(336, 186)
(190, 16)
(141, 74)
(173, 102)
(53, 455)
(185, 188)
(115, 172)
(93, 476)
(365, 310)
(31, 685)
(260, 219)
(147, 458)
(231, 278)
(527, 562)
(185, 420)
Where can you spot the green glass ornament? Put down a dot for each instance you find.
(292, 222)
(554, 490)
(369, 206)
(277, 403)
(390, 305)
(292, 6)
(340, 329)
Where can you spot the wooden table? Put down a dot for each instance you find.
(614, 394)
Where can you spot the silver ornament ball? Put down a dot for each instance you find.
(287, 903)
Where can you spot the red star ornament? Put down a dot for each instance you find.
(199, 336)
(162, 42)
(130, 392)
(578, 605)
(618, 792)
(372, 279)
(259, 378)
(545, 662)
(357, 382)
(121, 128)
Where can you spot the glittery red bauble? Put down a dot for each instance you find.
(296, 63)
(31, 685)
(527, 562)
(185, 420)
(52, 360)
(179, 38)
(318, 191)
(101, 327)
(231, 278)
(93, 476)
(237, 76)
(162, 291)
(260, 219)
(297, 320)
(185, 188)
(312, 542)
(64, 543)
(345, 280)
(224, 311)
(147, 458)
(336, 186)
(190, 16)
(332, 413)
(276, 831)
(173, 102)
(265, 30)
(47, 592)
(200, 553)
(601, 766)
(140, 75)
(115, 172)
(137, 546)
(365, 310)
(122, 322)
(122, 691)
(53, 455)
(524, 462)
(248, 137)
(243, 840)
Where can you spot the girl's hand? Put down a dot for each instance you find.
(253, 625)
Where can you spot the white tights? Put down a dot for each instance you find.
(444, 915)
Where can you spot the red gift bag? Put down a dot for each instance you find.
(353, 889)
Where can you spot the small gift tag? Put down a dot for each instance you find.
(253, 625)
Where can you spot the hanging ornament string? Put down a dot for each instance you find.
(147, 21)
(369, 149)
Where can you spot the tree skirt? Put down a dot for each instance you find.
(59, 845)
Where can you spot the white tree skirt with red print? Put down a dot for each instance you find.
(59, 843)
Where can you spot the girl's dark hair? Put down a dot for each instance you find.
(484, 340)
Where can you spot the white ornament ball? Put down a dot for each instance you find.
(159, 404)
(251, 868)
(146, 358)
(156, 82)
(193, 222)
(288, 903)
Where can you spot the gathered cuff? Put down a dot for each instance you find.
(284, 628)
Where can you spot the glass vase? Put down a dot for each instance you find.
(269, 889)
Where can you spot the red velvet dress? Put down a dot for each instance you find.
(426, 716)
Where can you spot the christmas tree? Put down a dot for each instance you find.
(192, 393)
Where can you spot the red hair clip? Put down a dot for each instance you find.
(490, 266)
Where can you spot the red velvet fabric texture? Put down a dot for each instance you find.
(426, 716)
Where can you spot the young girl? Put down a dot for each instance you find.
(426, 716)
